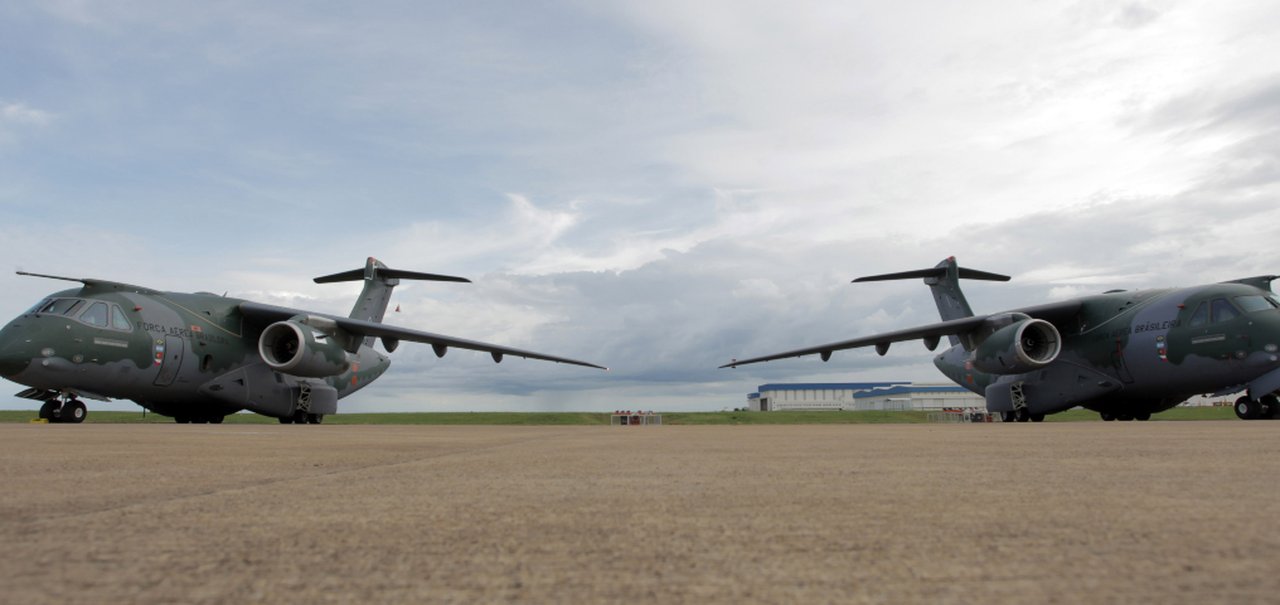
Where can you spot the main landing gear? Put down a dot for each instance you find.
(302, 418)
(1021, 415)
(1248, 408)
(1108, 416)
(70, 411)
(199, 419)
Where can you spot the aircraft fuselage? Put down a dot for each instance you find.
(183, 355)
(1146, 351)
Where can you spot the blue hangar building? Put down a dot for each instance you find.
(893, 396)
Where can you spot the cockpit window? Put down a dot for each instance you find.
(119, 320)
(61, 306)
(1223, 311)
(1254, 303)
(105, 315)
(1201, 315)
(95, 315)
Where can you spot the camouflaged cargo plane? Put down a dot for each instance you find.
(1125, 355)
(199, 357)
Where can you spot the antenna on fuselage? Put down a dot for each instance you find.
(51, 276)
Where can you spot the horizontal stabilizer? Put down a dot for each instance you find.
(358, 275)
(936, 272)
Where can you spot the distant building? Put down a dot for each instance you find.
(902, 395)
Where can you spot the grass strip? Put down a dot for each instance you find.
(593, 418)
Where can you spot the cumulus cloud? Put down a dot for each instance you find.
(20, 113)
(17, 117)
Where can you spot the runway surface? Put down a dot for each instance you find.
(1057, 513)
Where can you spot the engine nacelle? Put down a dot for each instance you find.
(1019, 347)
(297, 349)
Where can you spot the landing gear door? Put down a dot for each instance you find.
(168, 353)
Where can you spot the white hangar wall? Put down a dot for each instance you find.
(902, 395)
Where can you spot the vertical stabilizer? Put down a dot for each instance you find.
(944, 283)
(373, 301)
(379, 281)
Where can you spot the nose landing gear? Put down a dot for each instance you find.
(70, 410)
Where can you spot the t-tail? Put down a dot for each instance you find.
(379, 281)
(944, 282)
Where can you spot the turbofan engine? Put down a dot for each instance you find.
(298, 349)
(1022, 346)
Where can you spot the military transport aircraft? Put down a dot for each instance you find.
(1125, 355)
(199, 357)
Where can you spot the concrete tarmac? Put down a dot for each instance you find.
(1085, 512)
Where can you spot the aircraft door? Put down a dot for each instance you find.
(169, 354)
(1211, 324)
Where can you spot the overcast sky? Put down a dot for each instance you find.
(658, 186)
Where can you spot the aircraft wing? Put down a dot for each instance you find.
(881, 341)
(359, 327)
(1053, 313)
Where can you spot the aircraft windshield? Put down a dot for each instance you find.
(95, 315)
(61, 306)
(1255, 303)
(103, 315)
(118, 319)
(1223, 311)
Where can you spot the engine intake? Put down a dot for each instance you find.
(297, 349)
(1019, 347)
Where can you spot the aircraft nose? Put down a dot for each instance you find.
(12, 359)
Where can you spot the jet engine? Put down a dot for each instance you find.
(298, 349)
(1022, 346)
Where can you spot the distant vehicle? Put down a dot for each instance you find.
(1125, 355)
(199, 357)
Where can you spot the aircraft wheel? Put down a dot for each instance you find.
(1124, 417)
(286, 420)
(1037, 418)
(1144, 416)
(74, 411)
(1270, 406)
(1248, 409)
(215, 419)
(1007, 417)
(314, 418)
(1107, 416)
(46, 410)
(1022, 415)
(182, 419)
